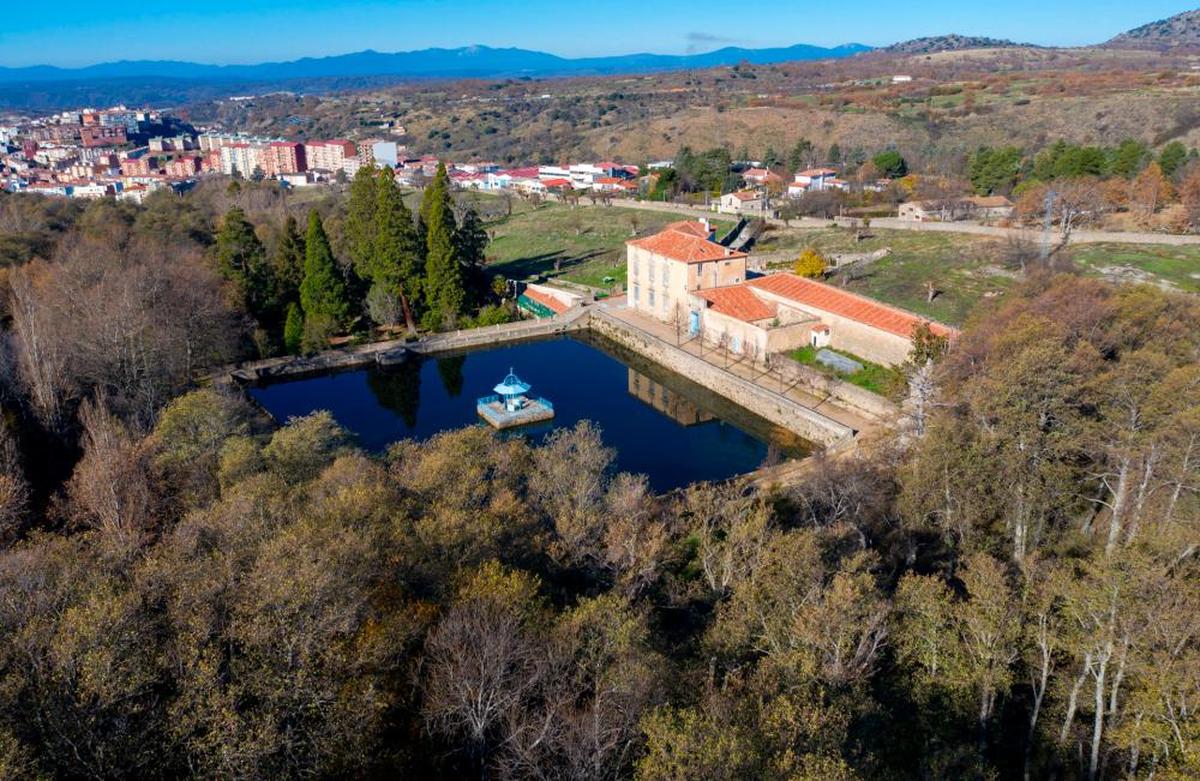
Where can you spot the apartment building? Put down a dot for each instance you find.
(328, 155)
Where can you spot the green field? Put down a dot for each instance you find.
(585, 245)
(1177, 267)
(967, 270)
(873, 377)
(964, 269)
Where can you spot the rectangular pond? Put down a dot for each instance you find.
(660, 424)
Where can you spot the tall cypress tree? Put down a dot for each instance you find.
(243, 261)
(323, 291)
(444, 291)
(471, 241)
(359, 228)
(288, 262)
(397, 262)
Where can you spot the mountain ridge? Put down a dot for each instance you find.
(461, 62)
(1178, 31)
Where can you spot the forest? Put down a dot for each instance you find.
(1005, 587)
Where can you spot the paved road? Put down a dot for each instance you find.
(971, 228)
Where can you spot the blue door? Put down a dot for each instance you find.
(694, 323)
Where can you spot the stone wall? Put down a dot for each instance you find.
(777, 409)
(821, 384)
(391, 352)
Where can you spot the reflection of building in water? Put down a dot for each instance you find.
(666, 401)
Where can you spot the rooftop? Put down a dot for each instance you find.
(738, 302)
(827, 298)
(686, 245)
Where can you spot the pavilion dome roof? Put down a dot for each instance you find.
(512, 385)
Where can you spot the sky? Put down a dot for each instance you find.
(81, 32)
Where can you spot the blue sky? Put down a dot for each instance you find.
(80, 32)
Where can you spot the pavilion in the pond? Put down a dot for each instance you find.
(511, 405)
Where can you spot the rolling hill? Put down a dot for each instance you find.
(1181, 31)
(952, 43)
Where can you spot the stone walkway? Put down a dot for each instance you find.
(741, 367)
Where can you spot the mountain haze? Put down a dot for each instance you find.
(463, 62)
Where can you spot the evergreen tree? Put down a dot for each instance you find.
(359, 228)
(323, 292)
(293, 329)
(444, 292)
(242, 260)
(471, 241)
(890, 164)
(835, 155)
(1129, 158)
(397, 264)
(1172, 158)
(288, 262)
(798, 158)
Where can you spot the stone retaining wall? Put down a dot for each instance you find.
(777, 409)
(821, 384)
(392, 352)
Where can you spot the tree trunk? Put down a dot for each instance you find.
(1120, 499)
(1098, 719)
(408, 316)
(1073, 699)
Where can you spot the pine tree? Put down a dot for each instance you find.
(444, 292)
(242, 260)
(293, 329)
(471, 241)
(359, 228)
(397, 263)
(288, 262)
(323, 292)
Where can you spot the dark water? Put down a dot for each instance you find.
(661, 425)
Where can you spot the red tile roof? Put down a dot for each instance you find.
(558, 182)
(550, 302)
(746, 195)
(685, 245)
(811, 172)
(694, 227)
(827, 298)
(738, 301)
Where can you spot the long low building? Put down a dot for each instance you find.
(682, 275)
(782, 312)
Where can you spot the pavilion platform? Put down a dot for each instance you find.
(493, 410)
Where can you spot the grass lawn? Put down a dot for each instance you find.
(968, 269)
(873, 377)
(587, 244)
(1178, 267)
(964, 268)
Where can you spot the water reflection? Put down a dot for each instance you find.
(675, 406)
(661, 424)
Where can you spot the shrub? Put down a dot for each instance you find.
(811, 264)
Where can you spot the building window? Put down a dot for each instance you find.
(666, 275)
(650, 297)
(634, 264)
(637, 294)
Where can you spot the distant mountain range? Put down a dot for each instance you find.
(465, 62)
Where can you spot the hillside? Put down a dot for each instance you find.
(956, 101)
(1181, 31)
(952, 43)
